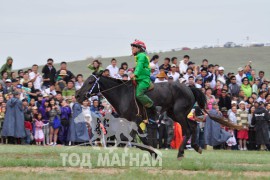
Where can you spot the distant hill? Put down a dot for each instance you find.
(229, 58)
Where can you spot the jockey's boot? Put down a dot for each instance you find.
(152, 113)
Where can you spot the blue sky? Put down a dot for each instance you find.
(32, 31)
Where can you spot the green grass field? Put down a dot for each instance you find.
(32, 162)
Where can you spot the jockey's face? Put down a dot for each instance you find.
(134, 50)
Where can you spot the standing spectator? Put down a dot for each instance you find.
(221, 76)
(261, 76)
(113, 68)
(54, 112)
(4, 76)
(166, 65)
(39, 135)
(95, 66)
(261, 97)
(251, 130)
(124, 66)
(189, 73)
(210, 98)
(162, 131)
(2, 118)
(255, 86)
(224, 102)
(79, 82)
(246, 87)
(240, 76)
(60, 81)
(120, 74)
(213, 133)
(161, 77)
(173, 73)
(25, 79)
(183, 64)
(65, 117)
(260, 120)
(49, 72)
(35, 77)
(50, 90)
(204, 63)
(78, 131)
(212, 75)
(14, 119)
(154, 60)
(69, 75)
(242, 120)
(175, 61)
(7, 67)
(20, 74)
(69, 91)
(191, 82)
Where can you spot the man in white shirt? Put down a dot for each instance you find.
(120, 74)
(50, 90)
(261, 97)
(35, 77)
(113, 68)
(240, 76)
(173, 73)
(184, 64)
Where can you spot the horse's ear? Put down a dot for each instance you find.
(99, 73)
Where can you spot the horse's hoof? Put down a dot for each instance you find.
(180, 158)
(200, 151)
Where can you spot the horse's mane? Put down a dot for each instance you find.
(118, 81)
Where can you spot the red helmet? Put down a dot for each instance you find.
(139, 44)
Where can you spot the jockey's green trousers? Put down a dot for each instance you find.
(141, 88)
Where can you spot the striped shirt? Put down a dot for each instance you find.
(242, 117)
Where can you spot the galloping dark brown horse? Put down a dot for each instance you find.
(175, 98)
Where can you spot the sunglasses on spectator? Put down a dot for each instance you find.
(233, 79)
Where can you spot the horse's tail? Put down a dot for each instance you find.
(200, 98)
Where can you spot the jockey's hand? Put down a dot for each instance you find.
(132, 76)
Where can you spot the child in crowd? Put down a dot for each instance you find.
(39, 135)
(2, 117)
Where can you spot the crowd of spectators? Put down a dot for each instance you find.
(43, 98)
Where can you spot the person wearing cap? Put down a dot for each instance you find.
(14, 119)
(173, 73)
(161, 77)
(35, 77)
(260, 120)
(142, 77)
(7, 67)
(242, 120)
(69, 75)
(60, 81)
(183, 65)
(152, 73)
(9, 86)
(199, 82)
(221, 76)
(166, 65)
(224, 102)
(49, 72)
(20, 74)
(240, 76)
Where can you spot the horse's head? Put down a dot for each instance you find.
(90, 84)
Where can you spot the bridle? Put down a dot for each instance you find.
(124, 83)
(96, 83)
